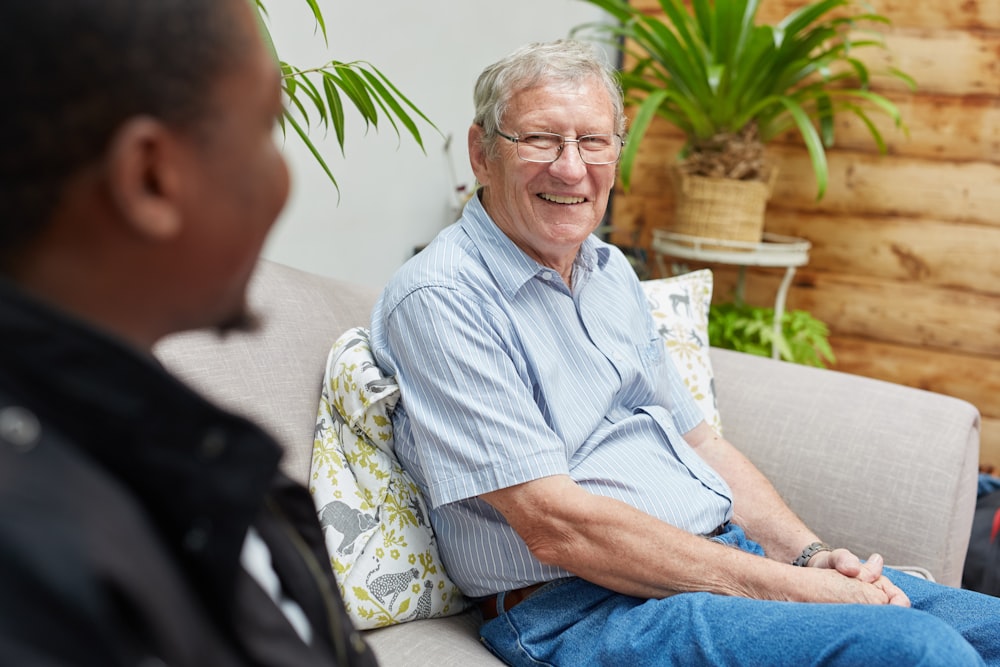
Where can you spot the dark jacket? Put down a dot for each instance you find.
(125, 499)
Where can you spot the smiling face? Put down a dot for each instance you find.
(548, 210)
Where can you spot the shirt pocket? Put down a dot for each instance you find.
(651, 352)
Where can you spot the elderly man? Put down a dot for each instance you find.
(575, 488)
(139, 524)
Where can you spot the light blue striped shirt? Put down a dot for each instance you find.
(507, 376)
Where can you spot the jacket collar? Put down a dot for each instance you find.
(200, 472)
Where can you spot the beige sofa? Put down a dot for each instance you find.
(870, 465)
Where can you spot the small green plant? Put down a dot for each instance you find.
(738, 326)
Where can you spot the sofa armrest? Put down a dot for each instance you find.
(868, 465)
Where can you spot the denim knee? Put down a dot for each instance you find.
(906, 637)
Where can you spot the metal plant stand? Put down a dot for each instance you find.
(774, 250)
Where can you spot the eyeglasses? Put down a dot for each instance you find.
(547, 147)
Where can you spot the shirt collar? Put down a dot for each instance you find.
(510, 266)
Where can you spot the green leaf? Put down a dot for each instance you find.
(318, 15)
(904, 77)
(639, 126)
(817, 155)
(803, 339)
(264, 31)
(397, 94)
(354, 86)
(304, 136)
(711, 69)
(335, 107)
(309, 90)
(322, 90)
(293, 98)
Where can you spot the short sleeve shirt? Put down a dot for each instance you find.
(507, 375)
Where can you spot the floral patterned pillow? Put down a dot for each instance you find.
(680, 310)
(382, 549)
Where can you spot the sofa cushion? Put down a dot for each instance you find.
(680, 310)
(383, 551)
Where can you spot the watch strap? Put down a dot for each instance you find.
(803, 558)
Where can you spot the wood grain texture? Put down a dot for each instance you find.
(937, 127)
(966, 15)
(859, 183)
(964, 376)
(936, 253)
(989, 443)
(904, 266)
(895, 312)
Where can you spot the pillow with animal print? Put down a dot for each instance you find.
(680, 312)
(382, 549)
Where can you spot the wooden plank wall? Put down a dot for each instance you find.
(904, 264)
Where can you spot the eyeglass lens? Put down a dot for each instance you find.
(546, 147)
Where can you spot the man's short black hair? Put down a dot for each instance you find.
(72, 71)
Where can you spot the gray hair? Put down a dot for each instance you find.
(561, 61)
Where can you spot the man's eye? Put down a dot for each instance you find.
(541, 140)
(595, 141)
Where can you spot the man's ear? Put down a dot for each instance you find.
(477, 154)
(144, 177)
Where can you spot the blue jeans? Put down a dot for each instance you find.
(571, 623)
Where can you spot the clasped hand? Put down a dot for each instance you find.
(877, 588)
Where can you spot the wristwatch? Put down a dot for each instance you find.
(809, 552)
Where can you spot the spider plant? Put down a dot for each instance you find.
(324, 90)
(726, 81)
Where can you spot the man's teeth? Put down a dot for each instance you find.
(556, 199)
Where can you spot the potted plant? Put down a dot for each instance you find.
(800, 338)
(323, 90)
(731, 85)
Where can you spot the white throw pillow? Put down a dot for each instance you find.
(375, 523)
(680, 310)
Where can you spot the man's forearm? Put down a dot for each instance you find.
(757, 507)
(621, 548)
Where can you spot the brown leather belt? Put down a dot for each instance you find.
(488, 606)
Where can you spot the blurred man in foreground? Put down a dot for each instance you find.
(139, 524)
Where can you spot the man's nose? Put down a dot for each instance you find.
(570, 164)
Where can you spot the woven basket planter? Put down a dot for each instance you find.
(719, 208)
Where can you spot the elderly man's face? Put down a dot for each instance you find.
(548, 210)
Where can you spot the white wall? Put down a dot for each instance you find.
(392, 196)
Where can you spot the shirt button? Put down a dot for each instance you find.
(20, 427)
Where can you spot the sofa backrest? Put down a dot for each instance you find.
(869, 465)
(273, 375)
